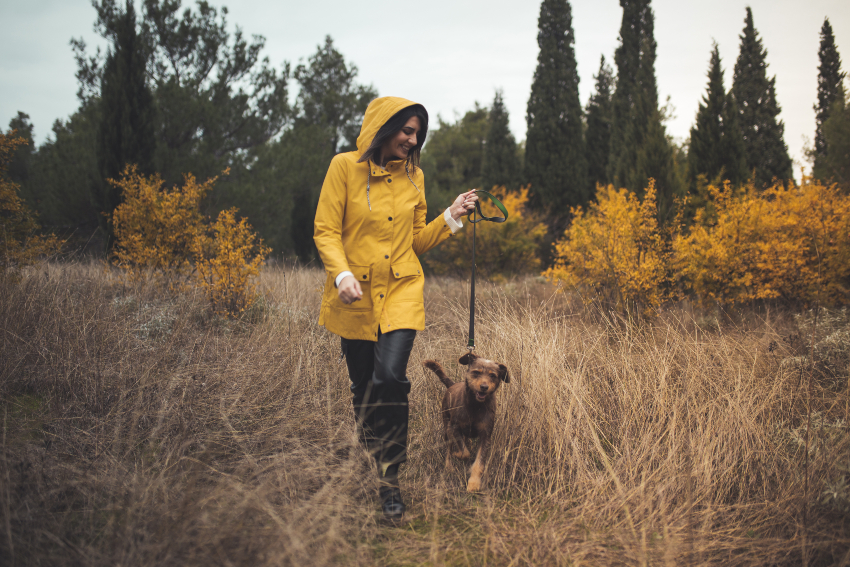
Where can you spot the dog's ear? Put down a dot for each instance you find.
(504, 376)
(468, 358)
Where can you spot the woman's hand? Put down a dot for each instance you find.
(349, 290)
(464, 203)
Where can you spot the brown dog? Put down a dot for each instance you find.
(469, 410)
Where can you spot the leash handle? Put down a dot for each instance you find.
(471, 217)
(496, 202)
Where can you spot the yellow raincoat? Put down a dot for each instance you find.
(379, 246)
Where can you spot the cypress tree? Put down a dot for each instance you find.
(734, 152)
(126, 133)
(834, 166)
(20, 165)
(755, 97)
(627, 59)
(598, 135)
(830, 78)
(717, 145)
(555, 162)
(639, 145)
(500, 165)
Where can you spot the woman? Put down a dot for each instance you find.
(370, 229)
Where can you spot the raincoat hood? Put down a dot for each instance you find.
(377, 113)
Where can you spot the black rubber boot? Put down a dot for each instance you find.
(389, 493)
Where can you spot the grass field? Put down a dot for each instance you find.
(140, 430)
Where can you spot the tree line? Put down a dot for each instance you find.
(619, 137)
(177, 93)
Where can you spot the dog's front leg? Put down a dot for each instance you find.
(478, 467)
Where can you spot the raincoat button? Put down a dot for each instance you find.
(389, 180)
(387, 257)
(364, 277)
(390, 218)
(396, 273)
(382, 296)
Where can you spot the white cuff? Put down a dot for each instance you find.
(341, 276)
(453, 224)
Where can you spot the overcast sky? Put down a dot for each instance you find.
(448, 54)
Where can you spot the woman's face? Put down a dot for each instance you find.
(399, 146)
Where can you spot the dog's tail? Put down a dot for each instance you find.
(435, 367)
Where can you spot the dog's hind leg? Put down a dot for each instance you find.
(460, 443)
(447, 443)
(455, 444)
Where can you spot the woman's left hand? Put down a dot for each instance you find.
(464, 203)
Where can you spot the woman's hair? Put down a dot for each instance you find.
(392, 126)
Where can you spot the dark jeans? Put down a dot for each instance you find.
(379, 386)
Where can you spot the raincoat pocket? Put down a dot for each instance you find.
(409, 282)
(406, 269)
(362, 274)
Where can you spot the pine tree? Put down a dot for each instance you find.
(126, 132)
(500, 165)
(331, 98)
(755, 97)
(555, 162)
(452, 159)
(830, 78)
(717, 145)
(63, 172)
(598, 135)
(639, 145)
(330, 107)
(216, 96)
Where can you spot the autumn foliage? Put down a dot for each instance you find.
(20, 243)
(227, 255)
(782, 243)
(155, 227)
(501, 249)
(614, 250)
(789, 243)
(161, 235)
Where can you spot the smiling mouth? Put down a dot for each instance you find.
(480, 397)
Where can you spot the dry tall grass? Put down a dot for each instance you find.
(138, 430)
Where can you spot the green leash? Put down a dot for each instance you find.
(471, 217)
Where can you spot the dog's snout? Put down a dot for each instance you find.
(484, 387)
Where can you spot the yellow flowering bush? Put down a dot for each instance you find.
(226, 257)
(501, 249)
(161, 234)
(791, 243)
(155, 227)
(614, 250)
(20, 243)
